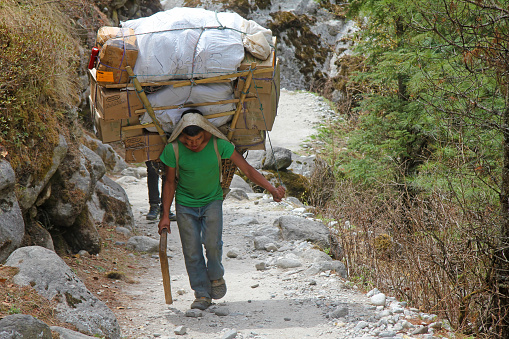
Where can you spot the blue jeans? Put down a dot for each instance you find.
(202, 226)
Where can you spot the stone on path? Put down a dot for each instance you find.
(261, 242)
(420, 330)
(143, 244)
(237, 194)
(378, 299)
(231, 334)
(194, 313)
(180, 330)
(288, 263)
(245, 221)
(261, 266)
(221, 311)
(271, 247)
(339, 312)
(298, 228)
(233, 253)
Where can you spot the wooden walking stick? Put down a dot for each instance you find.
(165, 270)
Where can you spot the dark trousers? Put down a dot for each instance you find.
(153, 170)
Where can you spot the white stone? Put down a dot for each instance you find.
(180, 330)
(378, 299)
(372, 292)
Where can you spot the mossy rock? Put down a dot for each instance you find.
(295, 30)
(296, 185)
(263, 4)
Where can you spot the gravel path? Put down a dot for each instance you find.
(278, 302)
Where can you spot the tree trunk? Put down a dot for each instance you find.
(500, 306)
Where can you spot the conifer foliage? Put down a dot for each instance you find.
(427, 151)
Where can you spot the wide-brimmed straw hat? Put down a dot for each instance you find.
(195, 119)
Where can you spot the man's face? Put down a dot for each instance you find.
(193, 143)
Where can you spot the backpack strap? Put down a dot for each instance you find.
(218, 160)
(176, 151)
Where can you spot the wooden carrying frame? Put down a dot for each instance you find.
(228, 168)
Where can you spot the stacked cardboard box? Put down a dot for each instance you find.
(258, 113)
(115, 119)
(265, 90)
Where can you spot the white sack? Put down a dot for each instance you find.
(257, 39)
(257, 45)
(169, 96)
(172, 44)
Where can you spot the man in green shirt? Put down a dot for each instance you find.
(198, 199)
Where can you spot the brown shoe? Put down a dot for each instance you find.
(218, 289)
(201, 303)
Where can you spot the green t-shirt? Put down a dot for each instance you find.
(198, 183)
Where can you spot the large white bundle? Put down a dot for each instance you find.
(184, 43)
(169, 96)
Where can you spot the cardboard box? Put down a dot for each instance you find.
(260, 113)
(249, 139)
(110, 131)
(148, 146)
(114, 104)
(115, 54)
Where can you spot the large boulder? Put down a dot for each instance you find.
(23, 326)
(256, 158)
(12, 226)
(109, 204)
(37, 235)
(48, 274)
(66, 333)
(238, 182)
(83, 235)
(112, 160)
(297, 228)
(277, 159)
(72, 186)
(303, 165)
(32, 187)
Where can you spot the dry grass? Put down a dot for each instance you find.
(38, 85)
(427, 251)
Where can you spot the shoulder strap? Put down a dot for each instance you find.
(218, 160)
(176, 151)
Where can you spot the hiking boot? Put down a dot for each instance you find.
(218, 288)
(201, 303)
(153, 213)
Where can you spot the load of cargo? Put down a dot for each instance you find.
(219, 63)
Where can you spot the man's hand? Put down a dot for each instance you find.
(278, 194)
(164, 223)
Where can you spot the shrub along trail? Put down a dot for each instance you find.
(283, 289)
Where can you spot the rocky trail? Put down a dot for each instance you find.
(276, 288)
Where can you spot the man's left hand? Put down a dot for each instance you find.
(278, 194)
